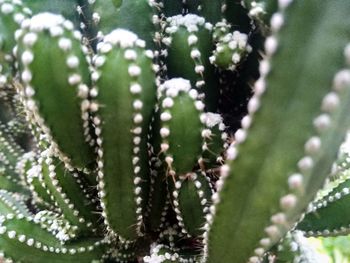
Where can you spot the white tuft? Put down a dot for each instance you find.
(190, 21)
(7, 8)
(121, 37)
(313, 145)
(330, 102)
(44, 21)
(342, 80)
(174, 86)
(212, 119)
(295, 181)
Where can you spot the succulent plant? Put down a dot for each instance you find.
(170, 130)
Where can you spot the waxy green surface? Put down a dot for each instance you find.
(64, 186)
(292, 101)
(12, 203)
(52, 89)
(117, 116)
(180, 64)
(190, 204)
(33, 254)
(185, 140)
(332, 218)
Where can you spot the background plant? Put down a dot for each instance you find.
(171, 131)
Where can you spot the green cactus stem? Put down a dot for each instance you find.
(12, 14)
(322, 95)
(10, 153)
(56, 224)
(43, 94)
(64, 189)
(216, 141)
(34, 181)
(13, 203)
(328, 216)
(188, 44)
(17, 127)
(19, 233)
(125, 89)
(181, 126)
(171, 130)
(191, 197)
(230, 50)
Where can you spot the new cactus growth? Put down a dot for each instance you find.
(171, 131)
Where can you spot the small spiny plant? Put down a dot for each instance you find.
(171, 131)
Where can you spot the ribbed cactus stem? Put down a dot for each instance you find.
(181, 126)
(188, 44)
(231, 49)
(12, 14)
(125, 89)
(300, 173)
(17, 232)
(191, 197)
(12, 203)
(327, 216)
(43, 94)
(171, 130)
